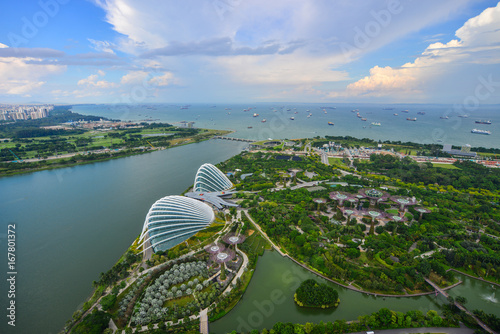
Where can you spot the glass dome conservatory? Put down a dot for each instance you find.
(210, 179)
(173, 219)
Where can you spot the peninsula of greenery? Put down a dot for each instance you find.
(65, 138)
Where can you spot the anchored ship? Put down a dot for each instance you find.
(481, 132)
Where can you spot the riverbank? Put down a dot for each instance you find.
(99, 156)
(60, 212)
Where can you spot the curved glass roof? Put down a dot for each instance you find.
(210, 178)
(173, 219)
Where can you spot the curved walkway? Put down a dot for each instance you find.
(333, 281)
(460, 306)
(474, 277)
(263, 233)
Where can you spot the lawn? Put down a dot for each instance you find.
(336, 162)
(256, 243)
(447, 166)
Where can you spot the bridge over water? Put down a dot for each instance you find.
(445, 294)
(235, 139)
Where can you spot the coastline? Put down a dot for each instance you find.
(57, 162)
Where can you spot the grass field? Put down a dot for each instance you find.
(336, 162)
(257, 244)
(447, 166)
(99, 138)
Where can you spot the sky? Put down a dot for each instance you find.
(239, 51)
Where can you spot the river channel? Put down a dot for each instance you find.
(269, 299)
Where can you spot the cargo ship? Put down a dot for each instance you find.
(411, 119)
(376, 124)
(481, 132)
(331, 123)
(483, 122)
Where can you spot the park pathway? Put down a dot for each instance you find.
(264, 234)
(445, 294)
(204, 321)
(350, 287)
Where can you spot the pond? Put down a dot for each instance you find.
(269, 299)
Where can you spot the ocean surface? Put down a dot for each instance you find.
(428, 128)
(74, 223)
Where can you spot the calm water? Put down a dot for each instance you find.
(428, 128)
(74, 223)
(269, 299)
(479, 295)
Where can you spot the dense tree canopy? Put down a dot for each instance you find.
(313, 294)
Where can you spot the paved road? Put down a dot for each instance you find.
(204, 321)
(351, 159)
(324, 159)
(461, 330)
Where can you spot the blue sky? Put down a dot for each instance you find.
(131, 51)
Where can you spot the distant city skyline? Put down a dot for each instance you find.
(235, 51)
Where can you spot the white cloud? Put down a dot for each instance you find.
(24, 88)
(134, 77)
(2, 46)
(92, 82)
(102, 46)
(285, 43)
(478, 43)
(152, 79)
(385, 81)
(22, 78)
(285, 69)
(162, 80)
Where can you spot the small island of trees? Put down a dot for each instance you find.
(313, 294)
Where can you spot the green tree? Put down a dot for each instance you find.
(309, 326)
(437, 320)
(385, 316)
